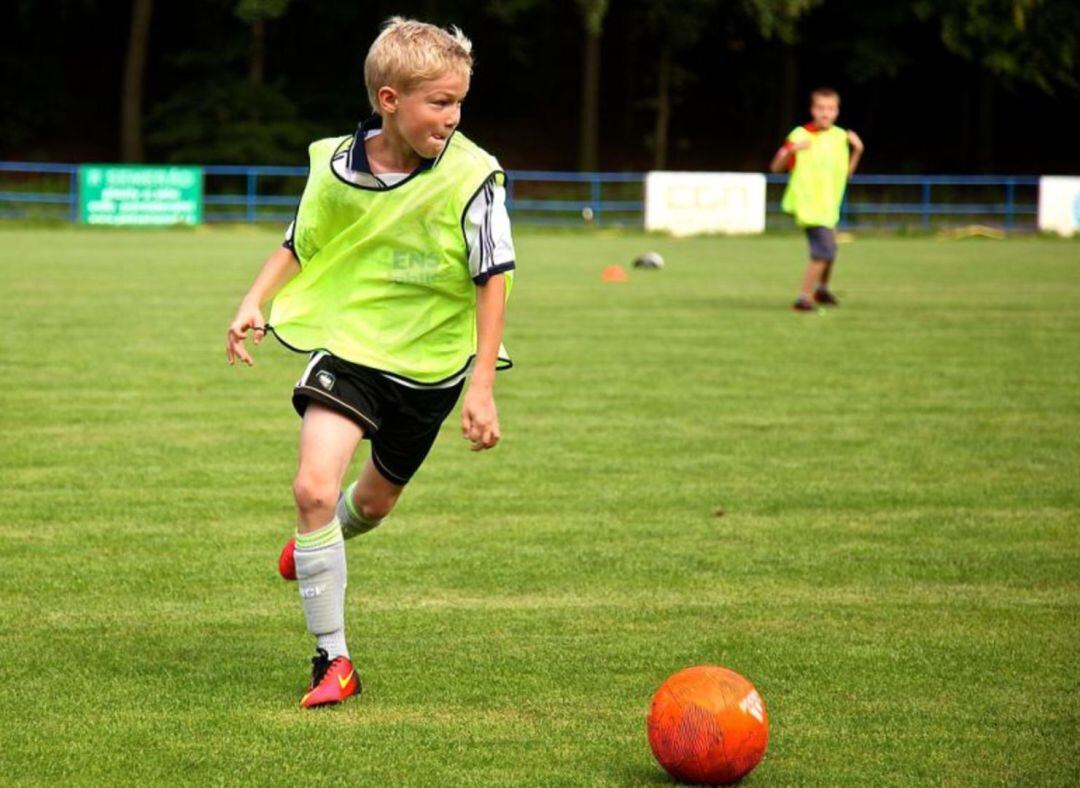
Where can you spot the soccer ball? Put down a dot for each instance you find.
(708, 725)
(649, 260)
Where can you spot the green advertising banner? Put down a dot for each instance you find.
(137, 194)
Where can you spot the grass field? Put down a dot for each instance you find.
(873, 514)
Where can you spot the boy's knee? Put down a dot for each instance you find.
(376, 509)
(313, 493)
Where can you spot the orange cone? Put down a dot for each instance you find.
(614, 273)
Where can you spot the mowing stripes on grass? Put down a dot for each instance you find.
(872, 514)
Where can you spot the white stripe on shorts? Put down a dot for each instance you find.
(315, 357)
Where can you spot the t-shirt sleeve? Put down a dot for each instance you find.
(487, 233)
(289, 241)
(290, 232)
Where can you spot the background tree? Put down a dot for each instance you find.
(669, 28)
(1011, 43)
(225, 109)
(592, 20)
(1034, 42)
(778, 20)
(131, 94)
(256, 13)
(213, 88)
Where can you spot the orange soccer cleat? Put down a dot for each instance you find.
(332, 681)
(286, 563)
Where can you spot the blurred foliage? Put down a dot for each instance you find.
(678, 24)
(229, 121)
(256, 10)
(592, 14)
(254, 80)
(779, 18)
(1024, 41)
(876, 51)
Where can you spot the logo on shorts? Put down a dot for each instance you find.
(326, 380)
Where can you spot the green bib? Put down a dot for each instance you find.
(818, 180)
(384, 273)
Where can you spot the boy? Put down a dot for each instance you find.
(394, 275)
(817, 155)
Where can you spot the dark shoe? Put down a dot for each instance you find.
(802, 305)
(825, 298)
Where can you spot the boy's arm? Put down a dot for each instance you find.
(278, 269)
(779, 161)
(479, 418)
(857, 149)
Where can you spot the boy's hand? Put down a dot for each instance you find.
(781, 161)
(855, 141)
(248, 317)
(479, 418)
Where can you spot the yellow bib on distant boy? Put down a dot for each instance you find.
(816, 188)
(384, 273)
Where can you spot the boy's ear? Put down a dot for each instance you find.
(388, 99)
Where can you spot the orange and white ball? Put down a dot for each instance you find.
(708, 725)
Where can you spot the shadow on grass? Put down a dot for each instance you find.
(779, 304)
(645, 775)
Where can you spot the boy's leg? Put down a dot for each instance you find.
(367, 501)
(815, 269)
(822, 243)
(361, 507)
(826, 274)
(327, 443)
(822, 294)
(828, 254)
(810, 279)
(398, 449)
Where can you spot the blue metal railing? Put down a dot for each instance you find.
(250, 198)
(1007, 209)
(241, 194)
(68, 198)
(591, 207)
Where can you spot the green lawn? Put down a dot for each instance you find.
(874, 514)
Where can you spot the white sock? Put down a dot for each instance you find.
(320, 572)
(333, 644)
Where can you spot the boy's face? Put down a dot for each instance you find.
(824, 109)
(427, 115)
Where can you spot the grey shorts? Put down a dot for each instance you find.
(822, 242)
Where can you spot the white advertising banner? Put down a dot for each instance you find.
(692, 203)
(1059, 204)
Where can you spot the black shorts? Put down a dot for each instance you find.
(822, 242)
(401, 422)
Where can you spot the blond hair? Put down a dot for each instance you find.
(408, 52)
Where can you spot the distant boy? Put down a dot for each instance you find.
(820, 163)
(394, 277)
